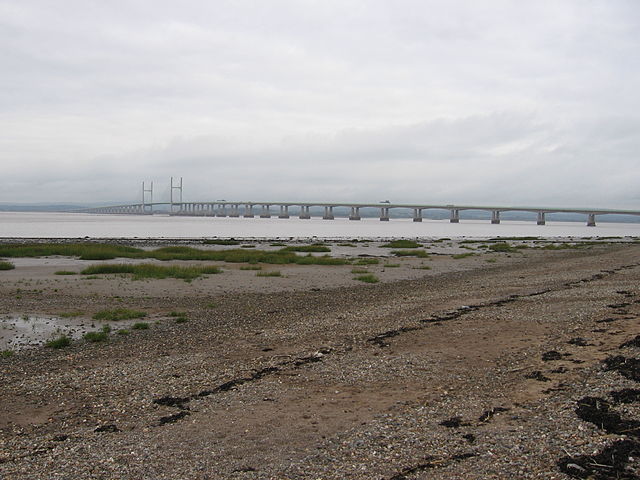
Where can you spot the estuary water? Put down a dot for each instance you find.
(79, 225)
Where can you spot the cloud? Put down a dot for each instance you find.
(478, 102)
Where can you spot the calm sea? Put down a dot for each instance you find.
(70, 225)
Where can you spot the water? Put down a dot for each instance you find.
(77, 225)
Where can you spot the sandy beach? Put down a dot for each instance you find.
(468, 363)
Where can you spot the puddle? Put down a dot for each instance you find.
(24, 331)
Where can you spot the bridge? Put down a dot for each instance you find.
(268, 209)
(249, 209)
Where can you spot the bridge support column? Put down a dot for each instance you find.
(284, 211)
(541, 219)
(355, 213)
(222, 210)
(234, 211)
(417, 214)
(454, 217)
(266, 213)
(248, 211)
(328, 213)
(384, 214)
(495, 217)
(591, 220)
(304, 212)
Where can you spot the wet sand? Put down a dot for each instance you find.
(470, 369)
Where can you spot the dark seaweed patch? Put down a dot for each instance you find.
(598, 411)
(488, 414)
(178, 402)
(107, 428)
(634, 343)
(454, 422)
(537, 375)
(626, 395)
(553, 355)
(173, 418)
(627, 367)
(611, 463)
(581, 342)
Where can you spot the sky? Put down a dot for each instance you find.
(424, 101)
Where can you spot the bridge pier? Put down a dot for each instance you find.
(328, 213)
(266, 213)
(304, 212)
(384, 214)
(541, 219)
(355, 213)
(234, 211)
(221, 210)
(248, 211)
(495, 217)
(454, 216)
(417, 214)
(591, 220)
(284, 211)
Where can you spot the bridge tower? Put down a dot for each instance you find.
(177, 186)
(150, 192)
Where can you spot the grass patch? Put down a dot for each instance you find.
(368, 278)
(491, 260)
(70, 314)
(367, 261)
(6, 353)
(119, 314)
(359, 270)
(316, 247)
(97, 251)
(95, 336)
(182, 319)
(391, 265)
(458, 256)
(251, 267)
(502, 247)
(214, 241)
(7, 266)
(60, 342)
(402, 244)
(123, 331)
(147, 270)
(410, 253)
(274, 273)
(140, 326)
(65, 272)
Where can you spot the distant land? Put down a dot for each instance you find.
(344, 212)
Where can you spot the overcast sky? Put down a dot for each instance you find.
(485, 102)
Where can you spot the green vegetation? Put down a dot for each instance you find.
(410, 253)
(97, 251)
(214, 241)
(70, 314)
(247, 246)
(502, 247)
(118, 314)
(147, 270)
(402, 244)
(359, 270)
(251, 267)
(504, 239)
(368, 278)
(367, 261)
(273, 273)
(140, 326)
(60, 342)
(391, 265)
(6, 353)
(95, 336)
(316, 247)
(490, 260)
(65, 272)
(182, 319)
(423, 267)
(123, 331)
(463, 255)
(7, 266)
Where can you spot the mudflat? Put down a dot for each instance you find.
(493, 365)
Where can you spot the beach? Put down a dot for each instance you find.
(466, 363)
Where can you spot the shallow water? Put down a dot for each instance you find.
(77, 225)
